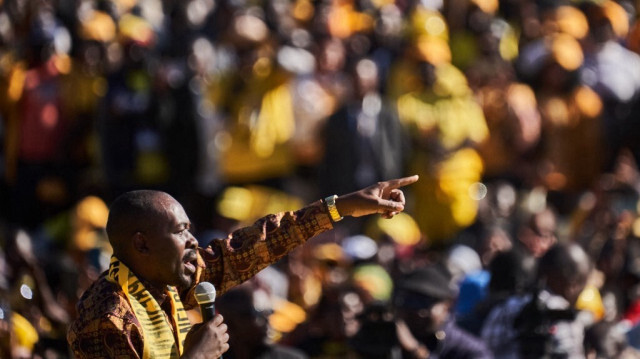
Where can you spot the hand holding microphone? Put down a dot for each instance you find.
(206, 297)
(210, 338)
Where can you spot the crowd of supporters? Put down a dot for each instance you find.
(520, 116)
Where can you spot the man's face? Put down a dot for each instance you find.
(428, 319)
(173, 247)
(569, 287)
(539, 235)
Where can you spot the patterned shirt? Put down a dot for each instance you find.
(106, 326)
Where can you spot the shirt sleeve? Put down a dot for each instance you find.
(235, 259)
(106, 337)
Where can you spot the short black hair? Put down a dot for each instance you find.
(567, 261)
(131, 212)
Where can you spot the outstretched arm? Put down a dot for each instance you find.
(229, 262)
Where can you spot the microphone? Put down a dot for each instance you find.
(205, 296)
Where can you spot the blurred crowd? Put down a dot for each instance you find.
(520, 116)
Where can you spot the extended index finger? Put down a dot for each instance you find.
(401, 182)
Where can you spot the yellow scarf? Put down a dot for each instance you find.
(159, 341)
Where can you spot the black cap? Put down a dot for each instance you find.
(433, 283)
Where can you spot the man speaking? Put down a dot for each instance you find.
(137, 308)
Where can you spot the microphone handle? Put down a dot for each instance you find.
(208, 311)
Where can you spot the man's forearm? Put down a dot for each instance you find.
(248, 250)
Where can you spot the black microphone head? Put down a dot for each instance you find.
(205, 293)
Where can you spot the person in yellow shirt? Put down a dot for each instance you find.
(446, 124)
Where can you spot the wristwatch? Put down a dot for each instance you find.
(331, 206)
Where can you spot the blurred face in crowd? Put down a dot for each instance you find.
(495, 242)
(570, 285)
(351, 305)
(538, 235)
(571, 288)
(366, 76)
(564, 270)
(332, 55)
(424, 315)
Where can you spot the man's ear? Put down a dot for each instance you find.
(140, 244)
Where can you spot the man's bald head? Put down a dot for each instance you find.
(135, 211)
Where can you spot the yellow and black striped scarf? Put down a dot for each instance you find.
(159, 342)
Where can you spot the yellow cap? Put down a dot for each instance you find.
(136, 29)
(374, 280)
(303, 10)
(24, 332)
(402, 229)
(590, 300)
(329, 252)
(566, 51)
(433, 50)
(286, 316)
(572, 21)
(99, 27)
(487, 6)
(92, 211)
(617, 16)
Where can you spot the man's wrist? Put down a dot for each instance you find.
(332, 208)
